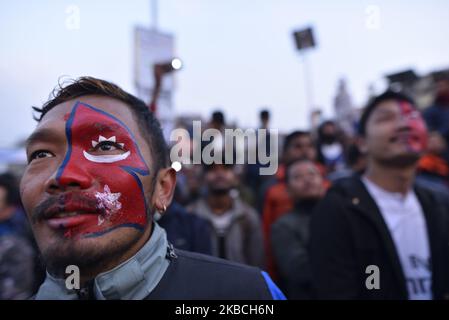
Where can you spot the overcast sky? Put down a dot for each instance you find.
(238, 55)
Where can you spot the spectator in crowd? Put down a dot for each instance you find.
(290, 233)
(277, 200)
(379, 236)
(16, 253)
(97, 173)
(437, 115)
(331, 146)
(217, 120)
(264, 117)
(253, 178)
(433, 169)
(236, 229)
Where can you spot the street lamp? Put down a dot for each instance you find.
(304, 41)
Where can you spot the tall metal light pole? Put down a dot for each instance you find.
(154, 14)
(304, 41)
(308, 85)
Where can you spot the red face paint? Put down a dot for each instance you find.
(119, 199)
(417, 138)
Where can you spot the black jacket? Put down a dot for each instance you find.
(186, 231)
(348, 234)
(290, 236)
(192, 276)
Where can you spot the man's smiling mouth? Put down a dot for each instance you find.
(65, 220)
(75, 209)
(405, 137)
(70, 209)
(66, 214)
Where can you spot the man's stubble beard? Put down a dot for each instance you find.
(217, 191)
(400, 161)
(94, 259)
(88, 257)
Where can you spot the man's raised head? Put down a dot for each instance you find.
(97, 170)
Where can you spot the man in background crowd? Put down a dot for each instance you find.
(16, 253)
(236, 229)
(290, 233)
(380, 236)
(277, 200)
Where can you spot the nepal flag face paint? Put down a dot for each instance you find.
(104, 160)
(416, 140)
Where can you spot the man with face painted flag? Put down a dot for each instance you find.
(97, 172)
(381, 235)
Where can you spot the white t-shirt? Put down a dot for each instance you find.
(405, 219)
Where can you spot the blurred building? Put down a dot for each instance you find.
(345, 114)
(152, 47)
(420, 87)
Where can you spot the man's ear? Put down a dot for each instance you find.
(164, 189)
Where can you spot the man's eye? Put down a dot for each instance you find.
(39, 154)
(386, 117)
(107, 146)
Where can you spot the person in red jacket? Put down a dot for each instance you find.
(277, 201)
(433, 169)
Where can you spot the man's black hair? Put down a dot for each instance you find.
(292, 136)
(373, 103)
(264, 114)
(218, 117)
(208, 167)
(148, 124)
(325, 124)
(294, 162)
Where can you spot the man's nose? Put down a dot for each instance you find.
(404, 122)
(69, 178)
